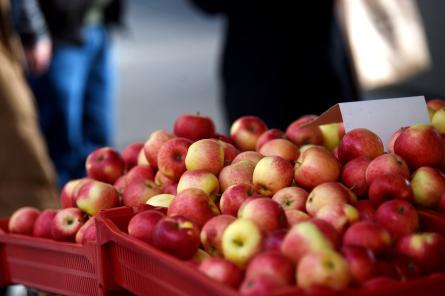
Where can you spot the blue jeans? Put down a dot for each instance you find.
(75, 102)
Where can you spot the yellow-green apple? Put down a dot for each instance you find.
(428, 185)
(177, 236)
(139, 191)
(212, 233)
(162, 200)
(142, 225)
(393, 139)
(271, 174)
(312, 235)
(265, 212)
(270, 134)
(438, 120)
(365, 209)
(95, 196)
(300, 134)
(130, 155)
(87, 232)
(246, 130)
(359, 142)
(194, 127)
(230, 152)
(105, 164)
(272, 263)
(171, 157)
(331, 134)
(328, 193)
(353, 175)
(22, 220)
(384, 164)
(66, 223)
(340, 216)
(253, 156)
(222, 271)
(70, 191)
(362, 263)
(425, 249)
(386, 187)
(296, 216)
(327, 269)
(241, 241)
(142, 159)
(42, 225)
(317, 165)
(154, 143)
(234, 196)
(399, 217)
(368, 235)
(193, 204)
(205, 154)
(240, 172)
(261, 285)
(280, 147)
(201, 179)
(434, 105)
(291, 198)
(420, 145)
(274, 239)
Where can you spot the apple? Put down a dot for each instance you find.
(234, 196)
(140, 173)
(95, 196)
(291, 198)
(171, 189)
(142, 225)
(120, 185)
(301, 135)
(393, 139)
(42, 225)
(428, 185)
(87, 232)
(388, 187)
(194, 127)
(317, 165)
(66, 223)
(353, 175)
(162, 200)
(241, 241)
(105, 164)
(326, 269)
(139, 191)
(212, 233)
(340, 215)
(272, 263)
(274, 240)
(162, 181)
(69, 190)
(425, 249)
(223, 271)
(240, 172)
(269, 135)
(177, 236)
(280, 147)
(420, 145)
(142, 159)
(171, 157)
(359, 142)
(253, 156)
(22, 220)
(368, 235)
(154, 143)
(361, 262)
(223, 137)
(386, 164)
(365, 209)
(130, 155)
(246, 130)
(193, 204)
(205, 154)
(230, 152)
(271, 174)
(399, 217)
(265, 212)
(379, 283)
(328, 193)
(438, 120)
(199, 257)
(434, 105)
(332, 134)
(201, 179)
(296, 216)
(261, 285)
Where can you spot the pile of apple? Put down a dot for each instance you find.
(312, 207)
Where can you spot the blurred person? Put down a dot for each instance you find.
(75, 93)
(279, 63)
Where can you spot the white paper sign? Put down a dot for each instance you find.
(384, 117)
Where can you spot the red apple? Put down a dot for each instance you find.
(66, 223)
(393, 139)
(359, 142)
(87, 232)
(362, 263)
(272, 263)
(291, 198)
(428, 185)
(171, 189)
(154, 143)
(379, 283)
(388, 187)
(194, 127)
(142, 225)
(354, 175)
(120, 185)
(139, 191)
(234, 196)
(105, 164)
(162, 181)
(368, 235)
(222, 271)
(130, 155)
(261, 285)
(67, 199)
(230, 152)
(95, 196)
(142, 159)
(271, 174)
(296, 216)
(22, 220)
(340, 215)
(42, 225)
(386, 164)
(171, 157)
(365, 209)
(302, 135)
(140, 173)
(268, 135)
(253, 156)
(212, 233)
(205, 154)
(177, 236)
(246, 130)
(280, 147)
(200, 179)
(240, 172)
(328, 193)
(274, 240)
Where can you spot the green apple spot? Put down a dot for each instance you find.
(70, 221)
(329, 264)
(178, 157)
(237, 242)
(401, 210)
(287, 203)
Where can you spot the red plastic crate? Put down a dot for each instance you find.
(142, 269)
(47, 265)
